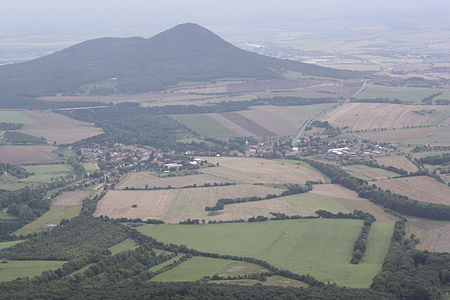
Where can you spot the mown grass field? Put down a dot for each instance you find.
(320, 247)
(26, 268)
(204, 125)
(407, 94)
(368, 173)
(193, 269)
(42, 174)
(126, 245)
(49, 219)
(11, 116)
(4, 245)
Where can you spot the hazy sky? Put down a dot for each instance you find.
(124, 16)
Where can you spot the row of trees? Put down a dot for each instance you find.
(395, 202)
(291, 189)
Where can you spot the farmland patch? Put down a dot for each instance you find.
(421, 188)
(173, 206)
(255, 170)
(141, 180)
(21, 155)
(320, 247)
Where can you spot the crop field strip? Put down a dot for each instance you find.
(254, 128)
(255, 170)
(256, 121)
(71, 198)
(434, 136)
(396, 161)
(421, 188)
(58, 128)
(351, 201)
(21, 155)
(434, 235)
(173, 206)
(139, 180)
(368, 173)
(320, 247)
(368, 116)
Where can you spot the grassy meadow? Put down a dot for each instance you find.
(320, 247)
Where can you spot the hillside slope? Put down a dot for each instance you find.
(185, 53)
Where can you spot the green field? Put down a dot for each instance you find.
(90, 167)
(49, 219)
(406, 94)
(368, 173)
(193, 269)
(42, 174)
(26, 268)
(14, 117)
(125, 245)
(309, 203)
(320, 247)
(6, 216)
(4, 245)
(204, 125)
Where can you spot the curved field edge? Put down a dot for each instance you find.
(321, 247)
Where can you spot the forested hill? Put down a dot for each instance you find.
(185, 53)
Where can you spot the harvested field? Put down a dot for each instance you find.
(22, 155)
(248, 124)
(206, 125)
(173, 206)
(421, 188)
(255, 170)
(268, 85)
(368, 173)
(256, 121)
(434, 136)
(434, 235)
(367, 116)
(74, 198)
(351, 201)
(140, 180)
(58, 128)
(397, 161)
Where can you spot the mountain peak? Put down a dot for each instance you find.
(188, 35)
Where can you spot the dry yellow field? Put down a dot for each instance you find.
(73, 198)
(362, 116)
(173, 206)
(58, 128)
(21, 155)
(140, 180)
(256, 170)
(421, 188)
(396, 161)
(352, 201)
(433, 235)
